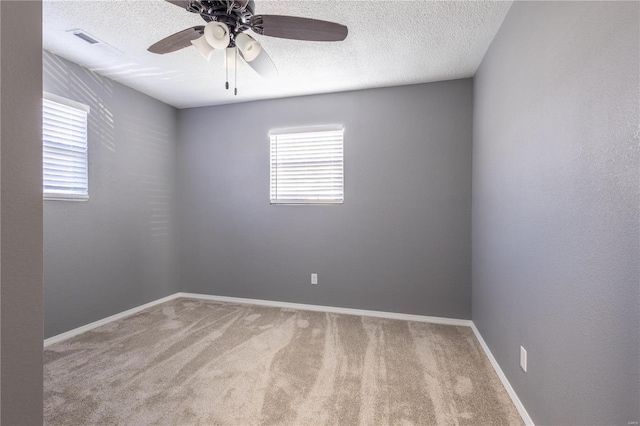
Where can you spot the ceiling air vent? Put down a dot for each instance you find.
(84, 36)
(88, 38)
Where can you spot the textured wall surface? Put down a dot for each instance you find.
(117, 250)
(401, 241)
(555, 208)
(21, 213)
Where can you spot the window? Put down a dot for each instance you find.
(307, 166)
(64, 156)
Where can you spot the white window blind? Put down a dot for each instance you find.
(307, 167)
(64, 159)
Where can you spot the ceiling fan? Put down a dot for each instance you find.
(226, 24)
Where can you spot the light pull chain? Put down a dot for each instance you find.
(235, 90)
(226, 62)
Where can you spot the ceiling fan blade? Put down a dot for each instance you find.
(262, 64)
(295, 28)
(177, 41)
(180, 3)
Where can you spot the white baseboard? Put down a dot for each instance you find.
(331, 309)
(407, 317)
(505, 382)
(71, 333)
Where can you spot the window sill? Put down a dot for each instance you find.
(58, 197)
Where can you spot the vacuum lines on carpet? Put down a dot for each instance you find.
(190, 361)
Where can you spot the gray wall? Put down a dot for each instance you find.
(20, 213)
(555, 208)
(117, 250)
(401, 241)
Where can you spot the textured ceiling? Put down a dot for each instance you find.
(392, 42)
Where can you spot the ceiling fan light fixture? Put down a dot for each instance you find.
(240, 14)
(202, 45)
(217, 35)
(249, 47)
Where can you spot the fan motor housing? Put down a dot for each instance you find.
(236, 14)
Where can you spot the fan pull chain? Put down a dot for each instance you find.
(226, 63)
(235, 83)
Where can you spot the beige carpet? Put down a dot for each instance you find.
(191, 362)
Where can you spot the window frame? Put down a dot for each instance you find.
(304, 130)
(66, 196)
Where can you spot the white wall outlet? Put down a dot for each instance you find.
(314, 278)
(523, 358)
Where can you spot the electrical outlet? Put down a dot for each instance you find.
(523, 358)
(314, 278)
